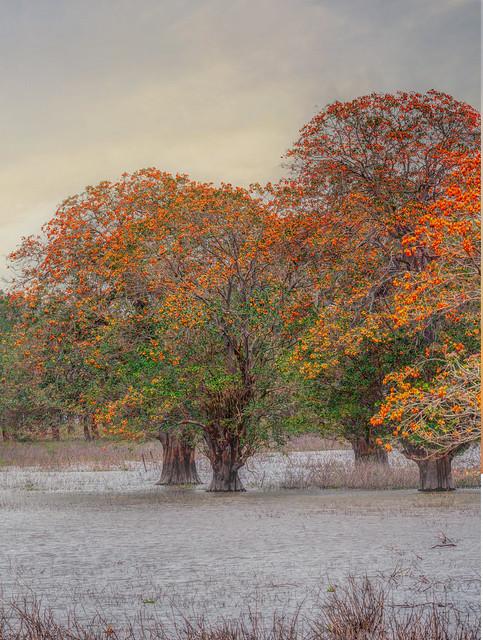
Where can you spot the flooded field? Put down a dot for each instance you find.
(83, 539)
(265, 471)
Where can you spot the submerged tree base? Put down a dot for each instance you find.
(436, 475)
(226, 481)
(179, 463)
(224, 451)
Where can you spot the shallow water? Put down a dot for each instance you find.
(263, 471)
(156, 548)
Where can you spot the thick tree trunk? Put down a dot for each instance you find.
(94, 430)
(91, 431)
(225, 478)
(225, 462)
(87, 431)
(69, 424)
(179, 465)
(435, 474)
(6, 435)
(367, 451)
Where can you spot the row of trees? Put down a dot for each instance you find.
(343, 299)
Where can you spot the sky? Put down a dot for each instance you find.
(217, 89)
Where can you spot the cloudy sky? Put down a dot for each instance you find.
(214, 88)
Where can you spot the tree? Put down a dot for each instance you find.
(81, 265)
(137, 397)
(178, 302)
(50, 373)
(26, 406)
(223, 324)
(345, 401)
(432, 407)
(8, 387)
(434, 416)
(361, 170)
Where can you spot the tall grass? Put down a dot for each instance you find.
(360, 610)
(297, 471)
(96, 455)
(333, 474)
(103, 455)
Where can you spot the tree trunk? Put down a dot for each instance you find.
(225, 478)
(87, 431)
(94, 430)
(367, 451)
(435, 474)
(69, 424)
(91, 431)
(179, 466)
(225, 463)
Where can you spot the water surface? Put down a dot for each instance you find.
(158, 548)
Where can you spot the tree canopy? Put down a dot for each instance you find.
(344, 298)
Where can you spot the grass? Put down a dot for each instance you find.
(95, 455)
(371, 476)
(293, 472)
(359, 610)
(313, 442)
(104, 455)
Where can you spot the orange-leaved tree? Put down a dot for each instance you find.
(90, 310)
(433, 406)
(225, 321)
(181, 307)
(362, 174)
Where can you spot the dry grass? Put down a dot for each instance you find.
(340, 475)
(103, 455)
(365, 610)
(97, 455)
(314, 442)
(360, 610)
(299, 472)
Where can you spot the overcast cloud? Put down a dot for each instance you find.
(214, 88)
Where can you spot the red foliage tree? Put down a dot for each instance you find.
(368, 176)
(189, 274)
